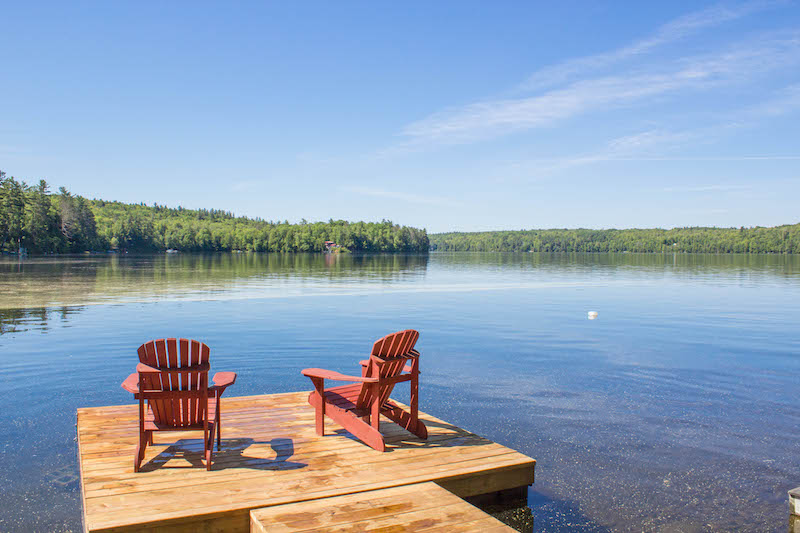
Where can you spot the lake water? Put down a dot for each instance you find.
(675, 410)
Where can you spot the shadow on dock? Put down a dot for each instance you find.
(409, 441)
(230, 455)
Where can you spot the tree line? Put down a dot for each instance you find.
(33, 218)
(779, 240)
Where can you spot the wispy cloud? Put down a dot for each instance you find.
(489, 119)
(708, 188)
(646, 139)
(626, 148)
(660, 144)
(402, 196)
(668, 33)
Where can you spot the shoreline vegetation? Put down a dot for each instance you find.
(38, 222)
(758, 240)
(33, 219)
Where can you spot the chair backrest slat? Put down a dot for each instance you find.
(147, 355)
(389, 356)
(182, 347)
(169, 354)
(163, 360)
(172, 355)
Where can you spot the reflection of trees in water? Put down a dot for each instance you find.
(291, 265)
(214, 266)
(773, 264)
(58, 280)
(389, 266)
(18, 320)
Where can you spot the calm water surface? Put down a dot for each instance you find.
(675, 410)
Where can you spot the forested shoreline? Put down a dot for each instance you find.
(38, 221)
(779, 240)
(33, 219)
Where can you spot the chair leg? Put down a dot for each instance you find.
(137, 460)
(375, 414)
(217, 424)
(150, 438)
(209, 446)
(414, 397)
(317, 400)
(358, 428)
(319, 414)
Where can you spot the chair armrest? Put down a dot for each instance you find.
(131, 383)
(224, 379)
(320, 373)
(221, 381)
(142, 368)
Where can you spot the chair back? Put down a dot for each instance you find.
(178, 394)
(389, 356)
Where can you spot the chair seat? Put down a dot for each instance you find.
(150, 423)
(346, 396)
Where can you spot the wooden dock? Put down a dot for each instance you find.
(270, 456)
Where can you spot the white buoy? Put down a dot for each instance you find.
(592, 315)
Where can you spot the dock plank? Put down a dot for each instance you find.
(270, 456)
(418, 507)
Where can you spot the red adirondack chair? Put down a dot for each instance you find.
(172, 375)
(357, 408)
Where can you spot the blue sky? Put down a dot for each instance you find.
(450, 116)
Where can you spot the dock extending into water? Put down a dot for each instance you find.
(271, 456)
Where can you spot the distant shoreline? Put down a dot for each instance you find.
(75, 255)
(758, 240)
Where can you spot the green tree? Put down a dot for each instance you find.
(41, 224)
(12, 211)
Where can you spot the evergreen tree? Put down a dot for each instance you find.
(87, 226)
(12, 211)
(41, 224)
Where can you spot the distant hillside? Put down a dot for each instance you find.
(779, 240)
(60, 223)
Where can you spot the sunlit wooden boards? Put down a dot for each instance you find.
(270, 456)
(417, 507)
